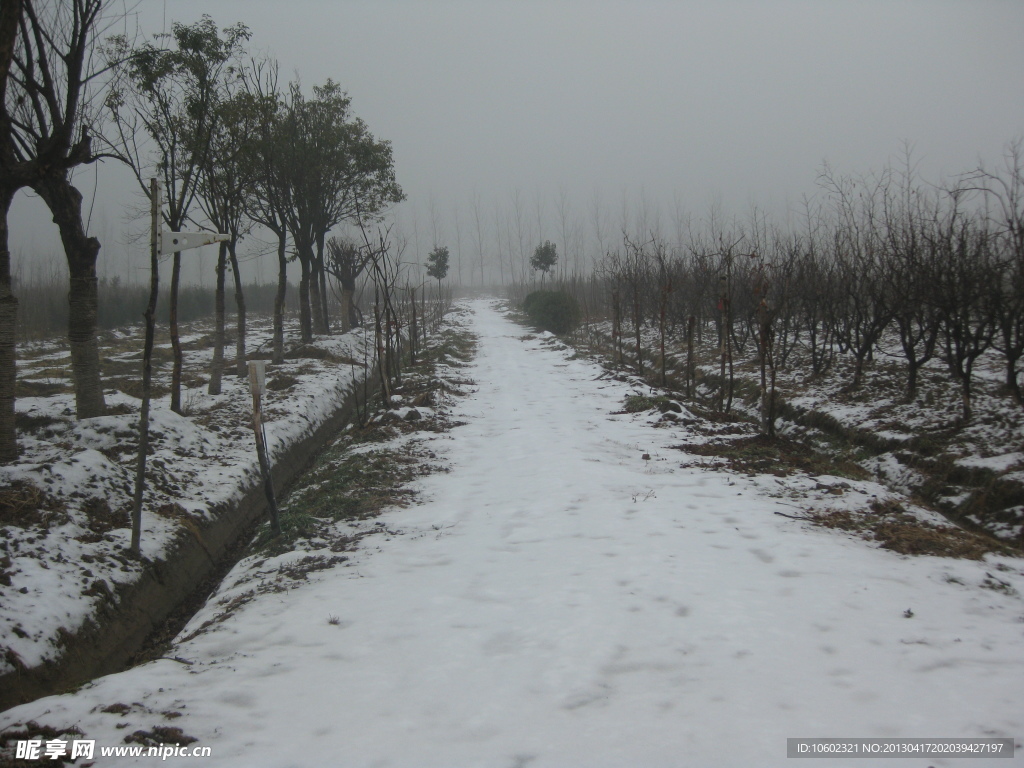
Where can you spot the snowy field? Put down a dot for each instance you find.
(929, 429)
(570, 594)
(62, 561)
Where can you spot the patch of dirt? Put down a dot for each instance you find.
(26, 506)
(900, 532)
(160, 734)
(777, 456)
(641, 403)
(282, 382)
(102, 518)
(308, 351)
(132, 386)
(32, 388)
(33, 423)
(298, 571)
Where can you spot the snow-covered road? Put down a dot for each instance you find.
(558, 600)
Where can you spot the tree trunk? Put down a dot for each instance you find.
(175, 336)
(10, 16)
(8, 333)
(316, 312)
(1012, 384)
(348, 319)
(81, 251)
(217, 366)
(240, 365)
(305, 317)
(83, 308)
(912, 368)
(858, 373)
(965, 398)
(282, 287)
(661, 330)
(324, 321)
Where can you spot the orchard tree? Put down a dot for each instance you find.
(437, 264)
(332, 170)
(14, 174)
(346, 261)
(1004, 196)
(266, 204)
(48, 85)
(544, 258)
(225, 181)
(168, 99)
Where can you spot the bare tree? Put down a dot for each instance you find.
(911, 269)
(346, 262)
(1004, 192)
(225, 180)
(15, 173)
(966, 268)
(168, 100)
(458, 245)
(857, 245)
(335, 170)
(50, 122)
(266, 156)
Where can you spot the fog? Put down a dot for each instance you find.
(610, 109)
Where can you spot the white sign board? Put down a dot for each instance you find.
(172, 242)
(258, 376)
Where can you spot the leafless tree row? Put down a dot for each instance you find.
(232, 148)
(940, 269)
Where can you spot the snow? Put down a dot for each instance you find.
(200, 462)
(558, 600)
(996, 463)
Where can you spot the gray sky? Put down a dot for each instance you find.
(730, 101)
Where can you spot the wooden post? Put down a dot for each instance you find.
(147, 367)
(257, 384)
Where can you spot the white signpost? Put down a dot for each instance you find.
(172, 242)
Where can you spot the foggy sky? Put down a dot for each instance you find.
(688, 102)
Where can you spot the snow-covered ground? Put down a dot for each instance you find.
(63, 560)
(927, 431)
(576, 592)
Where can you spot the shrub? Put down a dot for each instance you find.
(554, 311)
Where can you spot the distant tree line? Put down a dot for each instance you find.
(43, 306)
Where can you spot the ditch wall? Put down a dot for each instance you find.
(119, 629)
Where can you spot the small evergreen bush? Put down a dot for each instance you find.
(554, 311)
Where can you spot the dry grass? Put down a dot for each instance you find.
(282, 382)
(778, 456)
(33, 422)
(310, 352)
(24, 505)
(102, 518)
(900, 532)
(132, 386)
